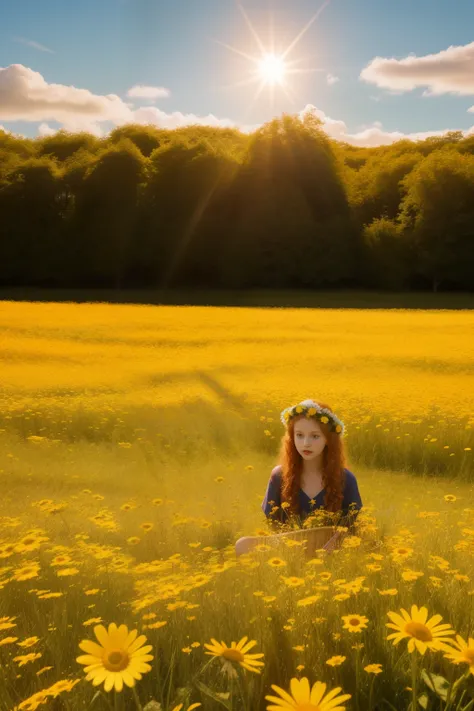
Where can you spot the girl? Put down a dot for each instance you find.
(311, 474)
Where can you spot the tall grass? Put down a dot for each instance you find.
(114, 417)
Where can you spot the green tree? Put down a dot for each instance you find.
(106, 212)
(62, 145)
(286, 210)
(387, 258)
(438, 212)
(185, 184)
(30, 229)
(378, 189)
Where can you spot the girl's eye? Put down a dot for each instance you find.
(299, 435)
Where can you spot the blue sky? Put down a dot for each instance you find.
(78, 65)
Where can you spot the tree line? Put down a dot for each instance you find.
(283, 207)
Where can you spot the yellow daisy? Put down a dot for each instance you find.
(237, 653)
(276, 562)
(336, 660)
(402, 551)
(146, 526)
(462, 652)
(354, 623)
(421, 633)
(293, 581)
(120, 657)
(373, 668)
(305, 699)
(308, 600)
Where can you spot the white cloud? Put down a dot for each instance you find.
(45, 130)
(331, 79)
(148, 92)
(373, 135)
(36, 45)
(26, 96)
(176, 119)
(448, 71)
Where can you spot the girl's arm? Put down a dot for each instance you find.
(352, 502)
(272, 500)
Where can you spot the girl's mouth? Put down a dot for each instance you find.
(307, 451)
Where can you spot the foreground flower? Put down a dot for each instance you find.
(236, 653)
(462, 652)
(120, 657)
(421, 633)
(304, 699)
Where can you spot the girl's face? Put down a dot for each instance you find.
(308, 438)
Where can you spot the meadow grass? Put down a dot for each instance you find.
(136, 444)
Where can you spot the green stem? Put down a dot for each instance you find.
(242, 696)
(357, 681)
(469, 706)
(458, 707)
(453, 690)
(137, 700)
(413, 680)
(450, 690)
(231, 694)
(371, 692)
(106, 697)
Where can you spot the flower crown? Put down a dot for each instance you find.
(309, 408)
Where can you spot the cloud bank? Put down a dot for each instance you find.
(26, 96)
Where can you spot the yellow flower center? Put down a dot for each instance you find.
(469, 656)
(354, 622)
(419, 631)
(233, 654)
(116, 660)
(306, 707)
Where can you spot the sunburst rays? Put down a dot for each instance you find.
(271, 67)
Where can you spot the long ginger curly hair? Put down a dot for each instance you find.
(334, 463)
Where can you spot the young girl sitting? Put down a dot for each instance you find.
(311, 476)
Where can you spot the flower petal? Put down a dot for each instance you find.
(91, 648)
(317, 692)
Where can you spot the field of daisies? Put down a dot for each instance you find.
(136, 443)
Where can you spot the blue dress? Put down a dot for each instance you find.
(273, 494)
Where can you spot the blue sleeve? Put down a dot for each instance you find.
(273, 494)
(352, 500)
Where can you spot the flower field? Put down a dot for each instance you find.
(136, 443)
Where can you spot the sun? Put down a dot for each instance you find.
(272, 69)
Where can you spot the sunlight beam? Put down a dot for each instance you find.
(237, 51)
(305, 29)
(251, 27)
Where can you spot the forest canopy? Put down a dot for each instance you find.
(283, 207)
